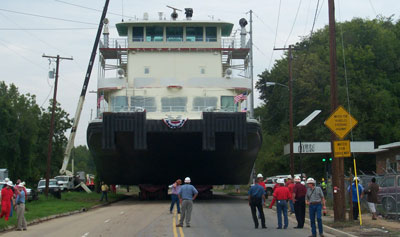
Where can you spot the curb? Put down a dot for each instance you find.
(48, 218)
(327, 229)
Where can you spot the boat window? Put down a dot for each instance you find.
(146, 70)
(194, 34)
(174, 33)
(177, 104)
(228, 104)
(154, 33)
(148, 103)
(211, 34)
(201, 103)
(119, 103)
(137, 34)
(202, 70)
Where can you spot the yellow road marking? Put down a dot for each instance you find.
(174, 226)
(180, 228)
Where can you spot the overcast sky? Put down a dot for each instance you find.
(24, 38)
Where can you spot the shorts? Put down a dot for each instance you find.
(371, 206)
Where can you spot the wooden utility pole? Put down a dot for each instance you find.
(51, 133)
(290, 109)
(337, 163)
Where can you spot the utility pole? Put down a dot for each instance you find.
(290, 108)
(337, 163)
(251, 66)
(51, 133)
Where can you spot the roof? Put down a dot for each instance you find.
(390, 145)
(226, 27)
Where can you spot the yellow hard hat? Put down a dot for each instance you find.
(323, 179)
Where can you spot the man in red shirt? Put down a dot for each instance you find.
(299, 194)
(6, 199)
(282, 195)
(290, 186)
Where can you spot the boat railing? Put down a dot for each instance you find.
(231, 42)
(115, 43)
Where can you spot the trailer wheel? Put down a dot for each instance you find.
(389, 205)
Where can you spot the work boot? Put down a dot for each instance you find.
(179, 225)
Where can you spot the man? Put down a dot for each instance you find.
(299, 197)
(316, 201)
(6, 199)
(187, 194)
(356, 196)
(282, 195)
(256, 198)
(372, 198)
(20, 207)
(174, 195)
(104, 190)
(290, 186)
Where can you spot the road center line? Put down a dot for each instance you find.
(174, 226)
(180, 228)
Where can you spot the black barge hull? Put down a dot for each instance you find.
(219, 149)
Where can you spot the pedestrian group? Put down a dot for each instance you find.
(14, 197)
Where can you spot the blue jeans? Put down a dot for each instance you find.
(281, 206)
(315, 209)
(291, 206)
(175, 199)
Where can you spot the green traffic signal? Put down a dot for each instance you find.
(330, 159)
(323, 159)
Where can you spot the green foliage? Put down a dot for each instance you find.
(83, 160)
(24, 131)
(372, 49)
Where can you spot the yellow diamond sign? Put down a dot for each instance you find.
(341, 122)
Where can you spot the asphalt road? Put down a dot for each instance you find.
(221, 216)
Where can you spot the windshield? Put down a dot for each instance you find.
(62, 178)
(43, 183)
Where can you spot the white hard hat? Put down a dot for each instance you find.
(23, 183)
(259, 175)
(356, 178)
(187, 180)
(297, 179)
(310, 181)
(20, 185)
(280, 181)
(10, 183)
(6, 180)
(302, 182)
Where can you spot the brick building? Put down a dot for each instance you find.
(388, 158)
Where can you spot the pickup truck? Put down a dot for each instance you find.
(389, 192)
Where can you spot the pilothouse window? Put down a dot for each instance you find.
(154, 33)
(211, 34)
(194, 34)
(201, 103)
(119, 103)
(148, 103)
(137, 34)
(174, 33)
(228, 104)
(175, 104)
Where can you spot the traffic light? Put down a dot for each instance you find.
(323, 159)
(330, 158)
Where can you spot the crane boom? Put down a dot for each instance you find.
(71, 139)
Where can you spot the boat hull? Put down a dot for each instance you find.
(219, 149)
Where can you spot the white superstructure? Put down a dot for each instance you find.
(172, 68)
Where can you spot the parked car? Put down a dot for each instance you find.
(54, 187)
(389, 192)
(269, 185)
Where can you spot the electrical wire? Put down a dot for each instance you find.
(276, 33)
(259, 50)
(47, 17)
(320, 8)
(308, 12)
(294, 22)
(372, 6)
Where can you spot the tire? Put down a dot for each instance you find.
(389, 205)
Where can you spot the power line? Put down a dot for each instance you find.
(47, 17)
(372, 6)
(294, 22)
(276, 33)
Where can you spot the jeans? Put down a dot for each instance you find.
(291, 206)
(300, 211)
(281, 206)
(315, 209)
(175, 199)
(257, 203)
(104, 194)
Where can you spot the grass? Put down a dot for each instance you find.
(70, 201)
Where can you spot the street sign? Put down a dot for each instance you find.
(340, 122)
(342, 148)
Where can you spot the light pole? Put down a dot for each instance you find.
(290, 120)
(303, 124)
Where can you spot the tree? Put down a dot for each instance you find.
(372, 49)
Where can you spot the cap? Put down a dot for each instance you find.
(310, 181)
(259, 175)
(187, 180)
(6, 180)
(10, 183)
(297, 179)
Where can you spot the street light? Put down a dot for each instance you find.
(303, 124)
(290, 119)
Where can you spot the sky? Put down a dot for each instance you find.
(29, 29)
